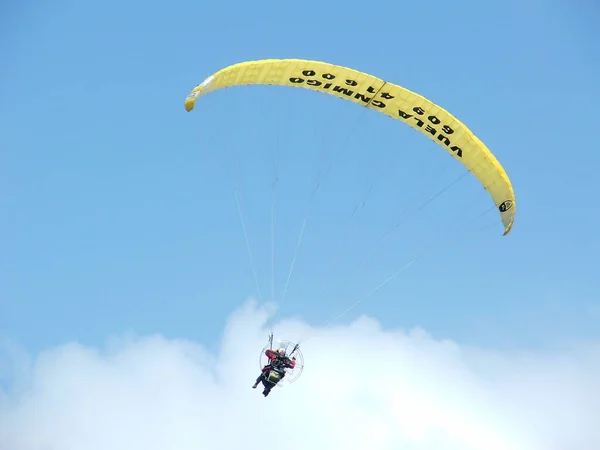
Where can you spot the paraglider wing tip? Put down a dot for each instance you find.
(199, 90)
(189, 103)
(509, 227)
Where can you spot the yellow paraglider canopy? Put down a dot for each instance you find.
(390, 99)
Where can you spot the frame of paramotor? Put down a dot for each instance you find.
(291, 350)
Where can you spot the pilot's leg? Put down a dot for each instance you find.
(257, 381)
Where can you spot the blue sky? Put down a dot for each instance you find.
(118, 206)
(124, 275)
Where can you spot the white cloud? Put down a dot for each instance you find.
(363, 388)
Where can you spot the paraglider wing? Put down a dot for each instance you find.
(395, 101)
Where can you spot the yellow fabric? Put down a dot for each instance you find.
(390, 99)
